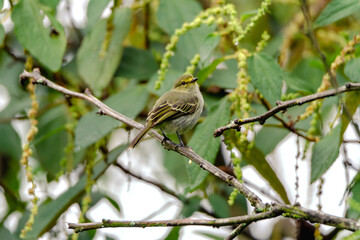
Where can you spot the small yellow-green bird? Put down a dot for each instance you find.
(176, 111)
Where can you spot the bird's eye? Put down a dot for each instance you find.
(183, 83)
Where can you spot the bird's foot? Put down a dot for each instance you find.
(178, 146)
(163, 142)
(183, 146)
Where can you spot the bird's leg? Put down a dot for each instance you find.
(165, 138)
(180, 140)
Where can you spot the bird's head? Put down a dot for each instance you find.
(186, 81)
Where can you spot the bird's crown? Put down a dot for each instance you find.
(185, 81)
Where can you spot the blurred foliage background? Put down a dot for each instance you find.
(247, 55)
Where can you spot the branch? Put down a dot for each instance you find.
(312, 37)
(298, 212)
(351, 141)
(187, 152)
(282, 106)
(289, 126)
(237, 231)
(268, 211)
(273, 211)
(217, 222)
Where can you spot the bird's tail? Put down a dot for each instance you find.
(140, 136)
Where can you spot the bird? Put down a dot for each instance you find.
(176, 111)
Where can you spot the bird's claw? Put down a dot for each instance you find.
(163, 142)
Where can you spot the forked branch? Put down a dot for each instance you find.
(282, 106)
(262, 211)
(187, 152)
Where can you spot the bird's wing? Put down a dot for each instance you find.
(170, 109)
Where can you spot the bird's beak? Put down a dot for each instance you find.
(194, 79)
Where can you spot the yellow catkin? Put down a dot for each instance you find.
(326, 81)
(215, 15)
(27, 152)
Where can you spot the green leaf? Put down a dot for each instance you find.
(97, 63)
(49, 212)
(353, 236)
(354, 201)
(175, 165)
(6, 234)
(113, 203)
(248, 14)
(94, 10)
(352, 69)
(269, 137)
(2, 34)
(97, 196)
(351, 103)
(190, 206)
(173, 234)
(15, 107)
(204, 143)
(46, 44)
(207, 46)
(11, 144)
(205, 72)
(325, 153)
(257, 159)
(225, 77)
(50, 3)
(336, 10)
(1, 4)
(192, 43)
(306, 76)
(70, 73)
(171, 76)
(92, 127)
(219, 205)
(354, 205)
(10, 153)
(266, 76)
(19, 98)
(171, 14)
(51, 133)
(137, 64)
(9, 72)
(209, 235)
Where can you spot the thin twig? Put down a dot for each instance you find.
(352, 141)
(312, 37)
(162, 187)
(217, 222)
(289, 126)
(237, 231)
(185, 151)
(282, 106)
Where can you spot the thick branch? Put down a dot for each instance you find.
(282, 106)
(295, 212)
(187, 152)
(319, 217)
